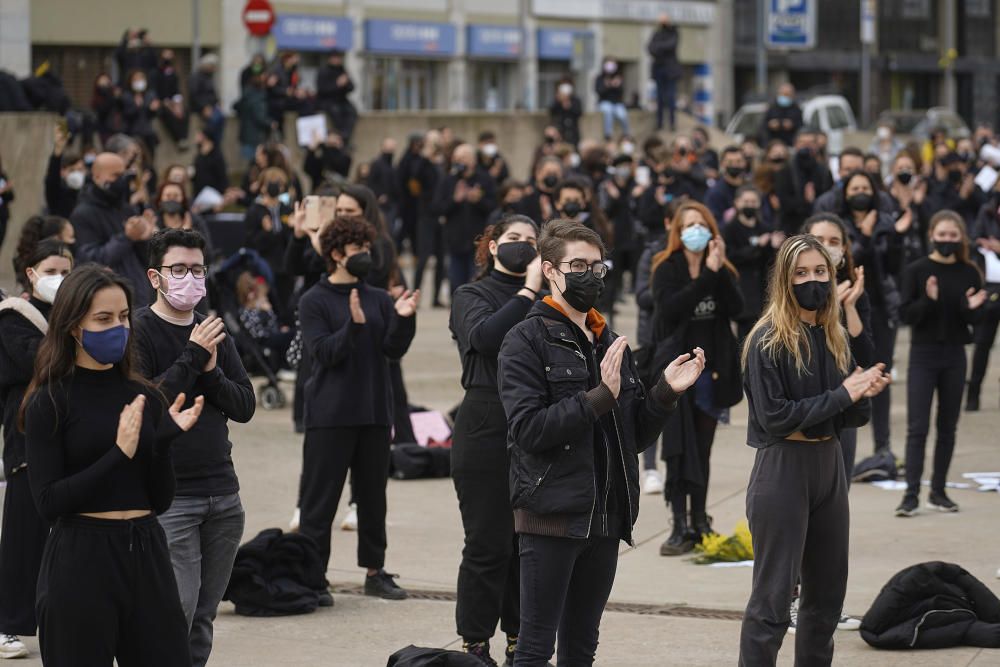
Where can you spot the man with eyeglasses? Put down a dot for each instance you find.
(577, 417)
(187, 352)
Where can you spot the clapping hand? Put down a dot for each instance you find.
(611, 365)
(357, 313)
(188, 418)
(931, 287)
(129, 426)
(685, 370)
(976, 298)
(406, 305)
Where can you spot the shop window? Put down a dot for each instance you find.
(392, 84)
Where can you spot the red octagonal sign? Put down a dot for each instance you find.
(258, 17)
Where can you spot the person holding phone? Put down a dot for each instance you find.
(98, 439)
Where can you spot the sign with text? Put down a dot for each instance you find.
(494, 41)
(556, 43)
(413, 38)
(308, 32)
(791, 24)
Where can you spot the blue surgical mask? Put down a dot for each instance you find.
(106, 347)
(285, 198)
(696, 238)
(784, 101)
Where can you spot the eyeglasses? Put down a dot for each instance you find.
(178, 271)
(599, 269)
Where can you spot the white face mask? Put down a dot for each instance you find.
(628, 148)
(47, 286)
(139, 86)
(574, 160)
(836, 254)
(565, 89)
(75, 179)
(609, 68)
(883, 133)
(490, 150)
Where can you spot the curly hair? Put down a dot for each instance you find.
(342, 232)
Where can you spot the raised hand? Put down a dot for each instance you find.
(611, 365)
(299, 220)
(208, 334)
(129, 426)
(533, 278)
(931, 287)
(685, 370)
(716, 253)
(406, 305)
(976, 298)
(357, 312)
(188, 418)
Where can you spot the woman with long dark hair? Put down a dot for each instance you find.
(942, 299)
(98, 451)
(482, 313)
(23, 323)
(801, 391)
(696, 297)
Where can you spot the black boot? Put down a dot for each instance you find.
(701, 525)
(972, 398)
(680, 541)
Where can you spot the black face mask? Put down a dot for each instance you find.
(359, 265)
(457, 169)
(812, 295)
(582, 290)
(571, 209)
(118, 189)
(954, 177)
(749, 212)
(804, 156)
(862, 202)
(904, 177)
(735, 172)
(550, 181)
(171, 208)
(516, 255)
(273, 188)
(946, 248)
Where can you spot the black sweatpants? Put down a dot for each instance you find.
(327, 455)
(884, 336)
(678, 489)
(565, 584)
(934, 368)
(986, 333)
(800, 521)
(22, 541)
(106, 591)
(849, 449)
(488, 578)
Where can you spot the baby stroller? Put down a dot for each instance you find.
(222, 291)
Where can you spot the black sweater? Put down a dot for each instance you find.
(481, 315)
(60, 199)
(946, 320)
(202, 457)
(74, 464)
(784, 401)
(350, 383)
(19, 341)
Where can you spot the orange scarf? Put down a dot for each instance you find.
(595, 321)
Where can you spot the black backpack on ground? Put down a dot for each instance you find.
(416, 656)
(276, 574)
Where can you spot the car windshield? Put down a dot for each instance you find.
(748, 124)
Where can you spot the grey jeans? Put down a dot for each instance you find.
(203, 533)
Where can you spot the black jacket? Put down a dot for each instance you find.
(663, 47)
(276, 574)
(789, 185)
(465, 220)
(60, 199)
(933, 605)
(326, 162)
(781, 114)
(607, 91)
(567, 119)
(201, 91)
(559, 413)
(752, 261)
(329, 93)
(22, 327)
(382, 180)
(210, 171)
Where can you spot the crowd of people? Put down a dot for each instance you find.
(769, 271)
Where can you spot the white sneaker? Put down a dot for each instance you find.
(12, 647)
(848, 622)
(286, 375)
(793, 614)
(293, 525)
(653, 484)
(350, 521)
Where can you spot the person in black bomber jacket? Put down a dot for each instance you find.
(187, 353)
(350, 331)
(577, 418)
(801, 393)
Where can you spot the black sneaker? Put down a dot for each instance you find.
(510, 650)
(972, 401)
(381, 585)
(908, 507)
(942, 503)
(480, 650)
(325, 599)
(680, 541)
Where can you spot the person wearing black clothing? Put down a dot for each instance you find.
(23, 323)
(186, 353)
(203, 99)
(987, 255)
(565, 112)
(666, 69)
(616, 198)
(696, 296)
(751, 245)
(577, 417)
(98, 441)
(490, 158)
(800, 392)
(539, 203)
(333, 85)
(609, 86)
(134, 53)
(382, 181)
(327, 161)
(166, 85)
(268, 232)
(464, 198)
(783, 118)
(799, 182)
(64, 177)
(719, 198)
(956, 191)
(139, 108)
(350, 330)
(210, 169)
(418, 177)
(107, 230)
(6, 197)
(481, 315)
(942, 297)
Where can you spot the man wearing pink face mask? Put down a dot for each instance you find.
(185, 351)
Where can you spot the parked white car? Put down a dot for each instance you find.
(830, 113)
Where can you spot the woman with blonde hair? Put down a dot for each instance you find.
(696, 296)
(802, 388)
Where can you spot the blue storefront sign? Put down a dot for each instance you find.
(556, 43)
(308, 32)
(409, 38)
(791, 24)
(494, 41)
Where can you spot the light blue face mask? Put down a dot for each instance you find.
(696, 238)
(784, 101)
(285, 198)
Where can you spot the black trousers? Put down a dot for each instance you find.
(933, 369)
(107, 591)
(401, 425)
(800, 521)
(327, 455)
(22, 541)
(430, 243)
(565, 584)
(489, 576)
(849, 449)
(986, 333)
(884, 336)
(678, 488)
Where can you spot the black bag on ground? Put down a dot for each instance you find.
(878, 467)
(411, 461)
(933, 605)
(276, 574)
(416, 656)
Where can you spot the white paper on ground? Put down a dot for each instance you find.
(739, 563)
(310, 128)
(890, 485)
(976, 475)
(430, 425)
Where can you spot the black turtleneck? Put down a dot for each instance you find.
(74, 463)
(481, 315)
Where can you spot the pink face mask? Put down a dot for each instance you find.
(183, 293)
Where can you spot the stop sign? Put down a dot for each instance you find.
(258, 17)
